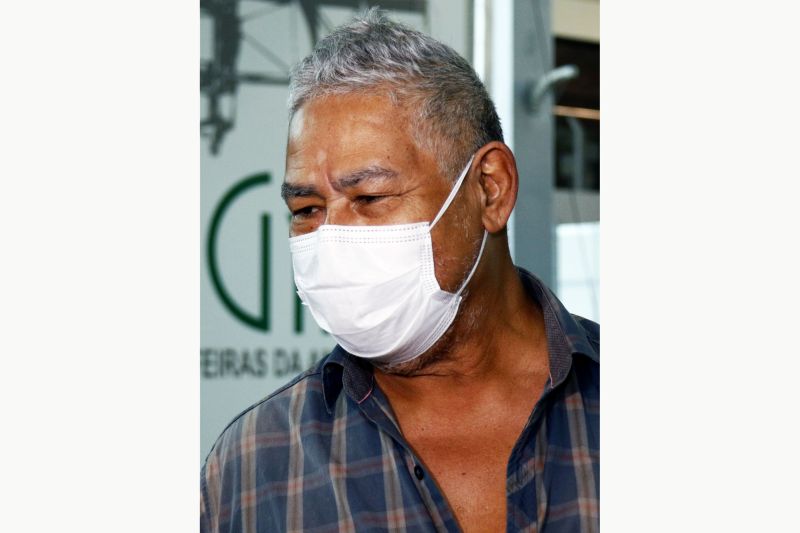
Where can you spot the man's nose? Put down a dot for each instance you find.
(338, 213)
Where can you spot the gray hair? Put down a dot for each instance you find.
(451, 112)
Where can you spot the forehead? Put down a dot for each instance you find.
(352, 127)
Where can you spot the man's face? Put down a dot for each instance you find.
(351, 160)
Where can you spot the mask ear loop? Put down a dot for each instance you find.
(453, 192)
(446, 204)
(477, 262)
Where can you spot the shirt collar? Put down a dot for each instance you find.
(344, 370)
(567, 336)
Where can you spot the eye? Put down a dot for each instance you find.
(305, 212)
(367, 199)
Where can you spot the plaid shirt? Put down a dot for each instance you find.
(308, 458)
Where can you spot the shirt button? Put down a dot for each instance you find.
(419, 472)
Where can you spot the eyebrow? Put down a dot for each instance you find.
(297, 191)
(372, 172)
(349, 180)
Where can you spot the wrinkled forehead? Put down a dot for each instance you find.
(352, 126)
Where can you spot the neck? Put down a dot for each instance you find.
(497, 337)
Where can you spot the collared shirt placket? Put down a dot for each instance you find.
(376, 409)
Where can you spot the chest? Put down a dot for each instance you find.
(468, 458)
(472, 477)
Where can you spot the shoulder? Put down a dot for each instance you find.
(264, 429)
(265, 434)
(592, 331)
(587, 364)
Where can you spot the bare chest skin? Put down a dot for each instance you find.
(466, 449)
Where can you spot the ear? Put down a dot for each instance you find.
(499, 183)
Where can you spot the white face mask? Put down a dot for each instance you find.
(374, 288)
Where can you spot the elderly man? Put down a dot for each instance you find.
(461, 394)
